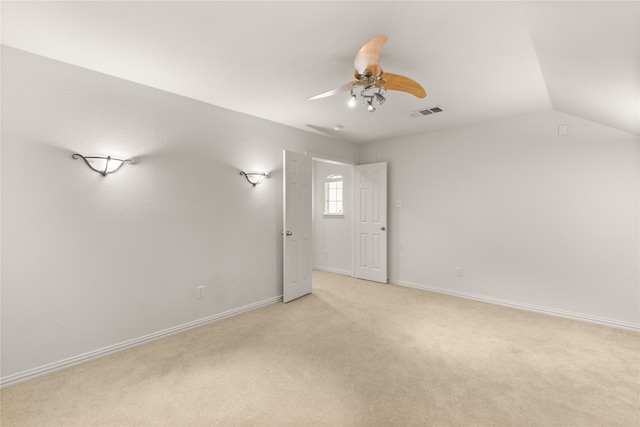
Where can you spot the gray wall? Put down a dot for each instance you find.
(90, 262)
(533, 218)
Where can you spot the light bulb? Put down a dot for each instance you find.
(370, 107)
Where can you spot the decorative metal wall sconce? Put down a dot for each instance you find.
(101, 164)
(255, 178)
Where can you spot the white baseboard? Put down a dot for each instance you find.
(86, 357)
(333, 270)
(538, 309)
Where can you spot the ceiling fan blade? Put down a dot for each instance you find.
(368, 57)
(404, 84)
(342, 88)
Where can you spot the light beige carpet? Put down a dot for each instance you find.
(354, 353)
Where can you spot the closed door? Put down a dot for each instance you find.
(371, 222)
(297, 221)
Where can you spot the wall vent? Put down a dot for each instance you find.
(426, 111)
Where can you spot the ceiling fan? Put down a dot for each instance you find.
(373, 80)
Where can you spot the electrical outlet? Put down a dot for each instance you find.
(459, 271)
(200, 292)
(563, 130)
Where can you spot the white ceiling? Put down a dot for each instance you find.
(479, 60)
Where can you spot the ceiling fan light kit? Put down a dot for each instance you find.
(369, 76)
(368, 95)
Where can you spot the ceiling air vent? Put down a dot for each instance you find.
(426, 111)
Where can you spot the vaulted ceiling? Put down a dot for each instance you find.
(478, 60)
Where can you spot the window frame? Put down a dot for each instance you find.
(333, 180)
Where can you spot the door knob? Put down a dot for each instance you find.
(382, 228)
(289, 233)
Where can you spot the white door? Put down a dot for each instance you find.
(296, 226)
(371, 222)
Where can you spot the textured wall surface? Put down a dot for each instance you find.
(91, 261)
(532, 217)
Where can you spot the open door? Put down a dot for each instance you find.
(297, 222)
(371, 222)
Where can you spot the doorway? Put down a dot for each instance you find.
(328, 241)
(333, 213)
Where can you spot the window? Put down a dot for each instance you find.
(333, 195)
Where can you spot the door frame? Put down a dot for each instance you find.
(315, 157)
